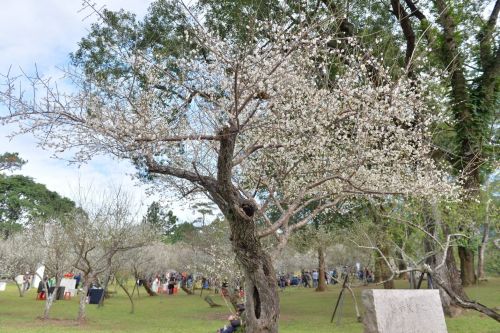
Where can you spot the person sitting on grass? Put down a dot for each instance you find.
(234, 323)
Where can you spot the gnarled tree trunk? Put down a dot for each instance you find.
(262, 301)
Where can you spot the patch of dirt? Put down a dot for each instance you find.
(59, 322)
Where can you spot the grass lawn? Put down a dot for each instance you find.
(302, 310)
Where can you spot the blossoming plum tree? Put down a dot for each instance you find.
(256, 126)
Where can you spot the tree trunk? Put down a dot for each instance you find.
(106, 283)
(123, 285)
(82, 316)
(262, 301)
(484, 243)
(321, 270)
(480, 262)
(402, 266)
(448, 274)
(467, 269)
(147, 286)
(19, 287)
(450, 280)
(382, 271)
(49, 300)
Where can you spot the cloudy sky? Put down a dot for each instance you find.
(44, 32)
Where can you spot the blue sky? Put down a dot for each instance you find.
(44, 32)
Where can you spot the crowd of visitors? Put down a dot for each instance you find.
(310, 278)
(170, 282)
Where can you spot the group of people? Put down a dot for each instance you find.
(306, 278)
(166, 283)
(366, 275)
(310, 278)
(171, 281)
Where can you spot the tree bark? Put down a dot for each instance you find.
(82, 316)
(480, 256)
(467, 303)
(49, 300)
(448, 274)
(484, 243)
(382, 271)
(402, 265)
(262, 301)
(404, 21)
(19, 288)
(106, 283)
(122, 285)
(147, 286)
(321, 270)
(467, 269)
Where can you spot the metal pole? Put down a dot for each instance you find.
(429, 281)
(340, 296)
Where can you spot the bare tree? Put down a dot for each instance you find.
(53, 244)
(105, 227)
(18, 256)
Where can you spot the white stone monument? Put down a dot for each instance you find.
(403, 311)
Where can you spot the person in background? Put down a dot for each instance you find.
(78, 278)
(171, 284)
(26, 281)
(282, 281)
(315, 278)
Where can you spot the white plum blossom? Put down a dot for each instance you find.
(301, 134)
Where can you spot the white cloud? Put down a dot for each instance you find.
(45, 32)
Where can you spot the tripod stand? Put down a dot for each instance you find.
(340, 301)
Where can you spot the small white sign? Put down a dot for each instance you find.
(70, 285)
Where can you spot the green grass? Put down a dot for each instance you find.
(302, 310)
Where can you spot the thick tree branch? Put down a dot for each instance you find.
(243, 155)
(346, 27)
(485, 37)
(405, 23)
(157, 168)
(422, 18)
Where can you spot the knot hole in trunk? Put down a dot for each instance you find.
(256, 302)
(248, 207)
